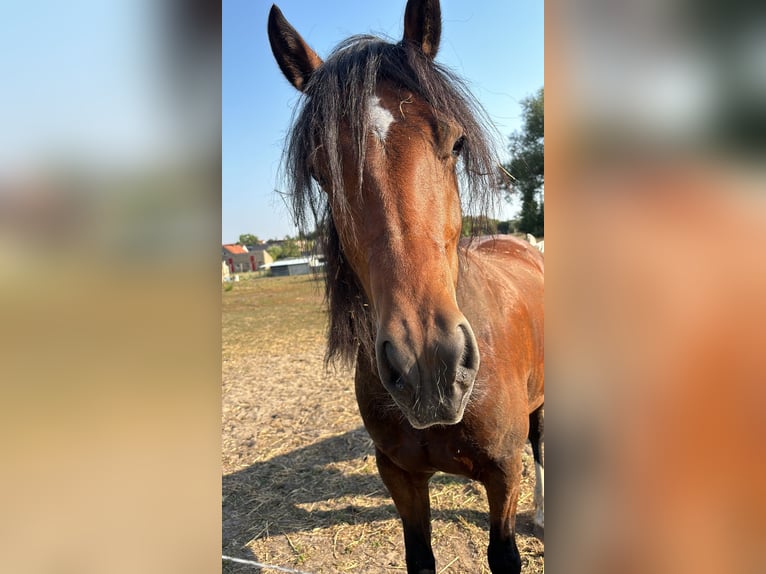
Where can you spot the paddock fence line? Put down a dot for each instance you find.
(259, 565)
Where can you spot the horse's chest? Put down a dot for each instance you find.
(430, 450)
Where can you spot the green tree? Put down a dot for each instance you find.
(286, 249)
(275, 251)
(290, 248)
(527, 148)
(248, 239)
(506, 227)
(478, 225)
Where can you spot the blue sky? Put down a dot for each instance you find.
(496, 45)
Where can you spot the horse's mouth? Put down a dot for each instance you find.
(420, 425)
(443, 413)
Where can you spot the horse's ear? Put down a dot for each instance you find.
(423, 25)
(296, 60)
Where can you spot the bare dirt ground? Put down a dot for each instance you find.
(300, 486)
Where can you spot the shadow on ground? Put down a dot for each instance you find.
(304, 489)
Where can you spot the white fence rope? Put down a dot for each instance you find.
(259, 565)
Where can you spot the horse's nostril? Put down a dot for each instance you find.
(388, 351)
(394, 374)
(468, 358)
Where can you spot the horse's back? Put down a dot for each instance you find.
(510, 249)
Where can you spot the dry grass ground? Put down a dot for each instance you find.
(300, 486)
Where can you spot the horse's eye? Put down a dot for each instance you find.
(458, 146)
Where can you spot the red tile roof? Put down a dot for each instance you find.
(235, 249)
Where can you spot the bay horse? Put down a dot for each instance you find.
(447, 337)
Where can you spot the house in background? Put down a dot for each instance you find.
(239, 259)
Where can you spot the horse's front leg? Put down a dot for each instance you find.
(410, 494)
(502, 484)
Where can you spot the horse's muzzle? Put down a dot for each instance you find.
(431, 383)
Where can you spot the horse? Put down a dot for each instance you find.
(446, 334)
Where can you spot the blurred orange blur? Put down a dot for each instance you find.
(655, 281)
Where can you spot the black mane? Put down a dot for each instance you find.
(337, 91)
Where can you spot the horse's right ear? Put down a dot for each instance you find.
(296, 60)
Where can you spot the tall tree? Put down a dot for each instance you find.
(527, 148)
(248, 239)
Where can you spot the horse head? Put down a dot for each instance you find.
(382, 133)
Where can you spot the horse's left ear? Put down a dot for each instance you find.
(423, 25)
(295, 58)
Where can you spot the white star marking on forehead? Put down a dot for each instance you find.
(380, 118)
